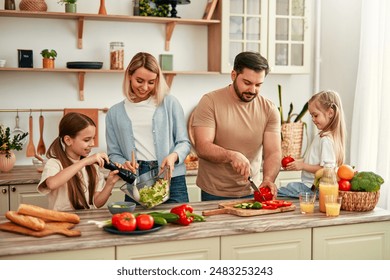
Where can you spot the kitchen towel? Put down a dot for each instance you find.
(93, 113)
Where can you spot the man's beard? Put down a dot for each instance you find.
(241, 94)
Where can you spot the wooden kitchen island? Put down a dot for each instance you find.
(288, 235)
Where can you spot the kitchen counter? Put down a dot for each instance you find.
(213, 234)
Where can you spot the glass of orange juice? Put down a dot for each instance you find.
(332, 205)
(306, 202)
(327, 189)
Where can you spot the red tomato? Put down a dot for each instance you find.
(344, 185)
(287, 160)
(124, 221)
(144, 222)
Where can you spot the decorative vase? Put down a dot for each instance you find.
(6, 164)
(102, 9)
(71, 8)
(47, 63)
(33, 5)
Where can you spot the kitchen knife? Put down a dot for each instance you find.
(254, 187)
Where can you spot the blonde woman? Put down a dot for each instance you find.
(328, 145)
(151, 123)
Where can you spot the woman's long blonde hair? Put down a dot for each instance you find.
(329, 99)
(149, 62)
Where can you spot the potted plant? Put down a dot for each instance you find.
(70, 5)
(292, 130)
(7, 145)
(48, 58)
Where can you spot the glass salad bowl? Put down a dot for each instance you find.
(149, 190)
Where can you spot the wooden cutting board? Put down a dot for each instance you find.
(228, 208)
(50, 228)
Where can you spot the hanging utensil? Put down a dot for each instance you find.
(17, 130)
(30, 151)
(41, 148)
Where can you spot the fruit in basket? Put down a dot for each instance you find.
(344, 185)
(345, 172)
(366, 181)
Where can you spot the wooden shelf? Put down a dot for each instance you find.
(169, 75)
(170, 23)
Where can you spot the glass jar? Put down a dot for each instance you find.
(116, 55)
(328, 184)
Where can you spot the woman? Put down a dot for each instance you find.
(150, 123)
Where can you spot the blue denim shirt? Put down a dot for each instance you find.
(169, 133)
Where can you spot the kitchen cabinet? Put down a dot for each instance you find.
(286, 177)
(278, 29)
(280, 245)
(194, 192)
(13, 195)
(194, 249)
(369, 241)
(80, 18)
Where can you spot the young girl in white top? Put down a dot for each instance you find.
(328, 145)
(71, 178)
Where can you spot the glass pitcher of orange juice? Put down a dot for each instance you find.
(328, 184)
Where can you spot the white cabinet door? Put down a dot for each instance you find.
(193, 190)
(26, 194)
(366, 241)
(279, 245)
(194, 249)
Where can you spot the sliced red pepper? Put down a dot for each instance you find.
(181, 211)
(269, 207)
(278, 203)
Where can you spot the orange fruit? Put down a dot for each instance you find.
(345, 172)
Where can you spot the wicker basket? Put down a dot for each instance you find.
(358, 201)
(292, 137)
(33, 5)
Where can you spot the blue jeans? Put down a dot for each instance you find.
(178, 188)
(206, 196)
(293, 189)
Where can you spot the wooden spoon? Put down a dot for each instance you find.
(41, 148)
(30, 151)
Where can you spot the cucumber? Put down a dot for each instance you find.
(159, 220)
(169, 217)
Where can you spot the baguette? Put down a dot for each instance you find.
(46, 214)
(30, 222)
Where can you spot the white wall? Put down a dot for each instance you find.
(340, 39)
(188, 45)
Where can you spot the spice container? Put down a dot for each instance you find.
(116, 55)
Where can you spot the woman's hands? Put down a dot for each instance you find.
(169, 162)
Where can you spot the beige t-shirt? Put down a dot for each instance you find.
(239, 126)
(58, 198)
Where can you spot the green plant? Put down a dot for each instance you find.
(49, 54)
(290, 112)
(8, 143)
(67, 1)
(153, 8)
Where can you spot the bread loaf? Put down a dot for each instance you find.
(46, 214)
(26, 221)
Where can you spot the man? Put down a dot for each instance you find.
(234, 130)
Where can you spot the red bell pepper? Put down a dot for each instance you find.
(181, 211)
(277, 203)
(264, 194)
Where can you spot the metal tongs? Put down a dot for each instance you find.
(254, 187)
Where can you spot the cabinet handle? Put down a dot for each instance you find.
(13, 189)
(4, 191)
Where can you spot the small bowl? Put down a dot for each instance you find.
(39, 165)
(121, 207)
(149, 190)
